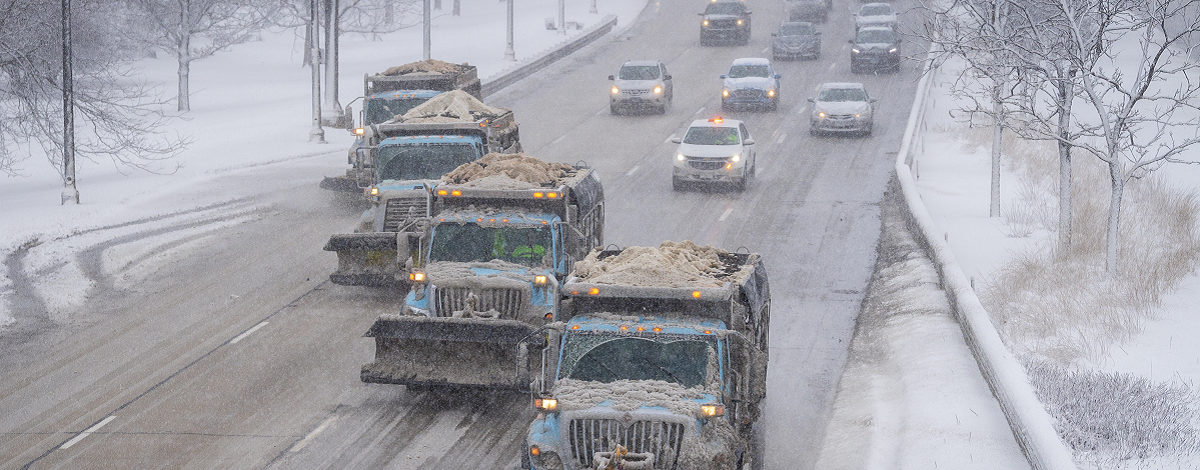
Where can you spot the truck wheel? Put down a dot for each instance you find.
(525, 465)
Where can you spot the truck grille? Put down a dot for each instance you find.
(452, 299)
(706, 164)
(588, 436)
(401, 211)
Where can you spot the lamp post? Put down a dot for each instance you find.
(316, 133)
(509, 54)
(426, 33)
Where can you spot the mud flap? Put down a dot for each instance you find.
(366, 259)
(463, 352)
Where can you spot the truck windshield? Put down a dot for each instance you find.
(606, 359)
(526, 245)
(384, 109)
(423, 161)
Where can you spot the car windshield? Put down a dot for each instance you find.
(384, 109)
(528, 245)
(638, 72)
(711, 136)
(876, 36)
(842, 94)
(742, 71)
(875, 10)
(606, 359)
(723, 8)
(422, 161)
(795, 30)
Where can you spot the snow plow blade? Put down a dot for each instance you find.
(458, 352)
(341, 184)
(365, 259)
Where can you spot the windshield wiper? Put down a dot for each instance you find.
(664, 369)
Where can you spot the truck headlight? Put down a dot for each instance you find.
(359, 131)
(545, 404)
(712, 411)
(616, 90)
(416, 277)
(540, 280)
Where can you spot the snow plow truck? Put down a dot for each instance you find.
(506, 231)
(660, 362)
(410, 153)
(392, 93)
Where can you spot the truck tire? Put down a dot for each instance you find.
(525, 465)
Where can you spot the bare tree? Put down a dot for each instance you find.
(192, 30)
(1141, 101)
(116, 118)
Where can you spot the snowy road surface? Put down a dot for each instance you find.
(221, 345)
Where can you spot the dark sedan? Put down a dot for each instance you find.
(875, 48)
(796, 40)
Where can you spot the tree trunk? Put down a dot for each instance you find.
(1114, 216)
(184, 53)
(997, 139)
(1065, 92)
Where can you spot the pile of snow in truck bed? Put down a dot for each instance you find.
(451, 106)
(510, 171)
(424, 66)
(683, 264)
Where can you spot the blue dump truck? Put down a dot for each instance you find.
(409, 154)
(392, 93)
(659, 362)
(505, 231)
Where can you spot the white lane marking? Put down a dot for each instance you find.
(632, 170)
(86, 433)
(669, 139)
(765, 50)
(781, 137)
(303, 442)
(559, 139)
(698, 111)
(247, 333)
(803, 109)
(725, 215)
(833, 66)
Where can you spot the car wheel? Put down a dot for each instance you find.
(867, 132)
(813, 131)
(676, 185)
(725, 106)
(612, 108)
(662, 108)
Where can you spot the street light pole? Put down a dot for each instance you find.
(69, 193)
(316, 133)
(427, 27)
(331, 106)
(562, 16)
(509, 54)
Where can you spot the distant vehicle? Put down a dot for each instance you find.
(875, 48)
(751, 82)
(842, 108)
(725, 20)
(716, 150)
(875, 14)
(794, 40)
(808, 10)
(641, 84)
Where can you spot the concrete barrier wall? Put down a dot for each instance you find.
(1027, 417)
(528, 67)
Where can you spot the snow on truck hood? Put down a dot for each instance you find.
(630, 395)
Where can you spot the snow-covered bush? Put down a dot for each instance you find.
(1110, 420)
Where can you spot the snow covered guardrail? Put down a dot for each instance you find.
(513, 74)
(1027, 417)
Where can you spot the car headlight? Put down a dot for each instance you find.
(725, 93)
(704, 23)
(736, 158)
(680, 157)
(616, 90)
(821, 114)
(741, 22)
(770, 93)
(854, 50)
(893, 50)
(658, 90)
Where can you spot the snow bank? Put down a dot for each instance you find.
(510, 171)
(451, 106)
(683, 264)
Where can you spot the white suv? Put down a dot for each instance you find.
(842, 108)
(716, 150)
(641, 84)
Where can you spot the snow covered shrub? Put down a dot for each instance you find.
(1108, 419)
(1063, 306)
